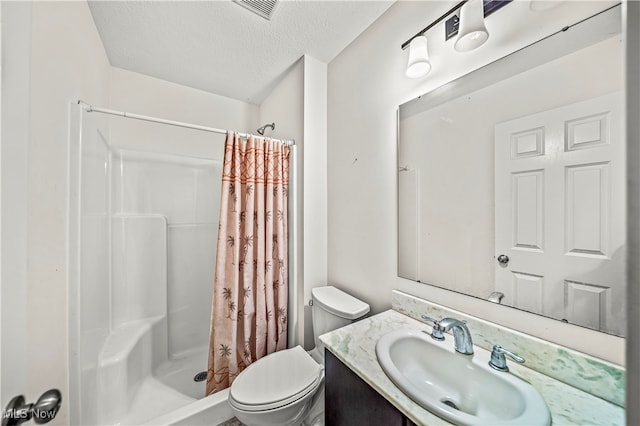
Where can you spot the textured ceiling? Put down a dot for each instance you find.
(223, 48)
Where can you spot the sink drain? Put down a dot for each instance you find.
(450, 403)
(200, 377)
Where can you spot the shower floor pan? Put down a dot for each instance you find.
(169, 388)
(144, 387)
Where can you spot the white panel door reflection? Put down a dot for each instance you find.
(560, 212)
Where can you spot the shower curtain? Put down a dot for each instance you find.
(249, 309)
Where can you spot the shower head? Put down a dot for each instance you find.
(262, 129)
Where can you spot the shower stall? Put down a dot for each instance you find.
(143, 231)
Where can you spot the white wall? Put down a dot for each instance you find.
(315, 185)
(16, 41)
(141, 94)
(366, 84)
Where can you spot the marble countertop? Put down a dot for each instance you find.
(354, 345)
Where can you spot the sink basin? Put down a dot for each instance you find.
(462, 389)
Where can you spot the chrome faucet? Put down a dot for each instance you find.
(461, 336)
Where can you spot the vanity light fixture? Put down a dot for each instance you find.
(473, 32)
(418, 65)
(469, 26)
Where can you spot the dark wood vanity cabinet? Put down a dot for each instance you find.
(350, 401)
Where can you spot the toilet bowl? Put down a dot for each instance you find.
(276, 390)
(284, 387)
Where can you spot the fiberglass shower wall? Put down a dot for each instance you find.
(89, 259)
(164, 232)
(143, 231)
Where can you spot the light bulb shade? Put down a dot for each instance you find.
(418, 65)
(472, 32)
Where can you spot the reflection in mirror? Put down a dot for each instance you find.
(511, 180)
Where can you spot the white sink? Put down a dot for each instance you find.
(462, 389)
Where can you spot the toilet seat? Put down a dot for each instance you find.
(276, 380)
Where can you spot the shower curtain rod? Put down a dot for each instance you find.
(91, 108)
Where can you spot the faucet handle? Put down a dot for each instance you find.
(438, 331)
(499, 362)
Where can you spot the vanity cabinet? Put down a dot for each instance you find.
(350, 401)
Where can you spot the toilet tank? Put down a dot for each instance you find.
(332, 309)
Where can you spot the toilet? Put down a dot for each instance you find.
(287, 387)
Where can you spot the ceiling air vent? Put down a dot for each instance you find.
(263, 8)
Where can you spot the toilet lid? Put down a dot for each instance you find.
(276, 380)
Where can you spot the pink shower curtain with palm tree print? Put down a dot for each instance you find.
(249, 312)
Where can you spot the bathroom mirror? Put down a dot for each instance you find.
(511, 179)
